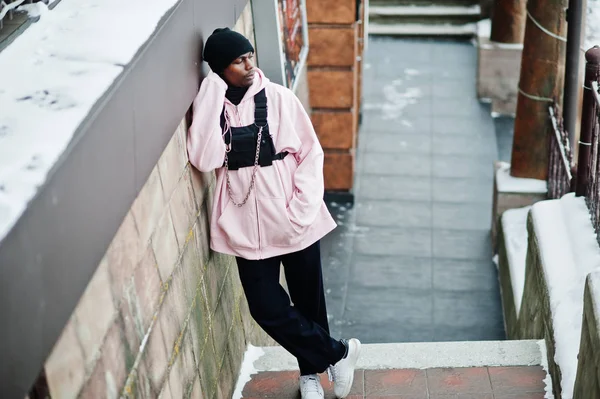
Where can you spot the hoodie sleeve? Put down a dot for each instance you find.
(307, 198)
(205, 145)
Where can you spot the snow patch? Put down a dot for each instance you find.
(569, 252)
(484, 28)
(34, 9)
(396, 98)
(508, 184)
(514, 226)
(59, 67)
(253, 353)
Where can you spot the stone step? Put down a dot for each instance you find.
(424, 15)
(421, 355)
(416, 29)
(425, 11)
(480, 369)
(375, 3)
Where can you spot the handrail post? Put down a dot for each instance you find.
(588, 119)
(571, 87)
(540, 83)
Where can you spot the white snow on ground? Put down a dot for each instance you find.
(253, 353)
(53, 74)
(508, 184)
(514, 226)
(396, 96)
(569, 252)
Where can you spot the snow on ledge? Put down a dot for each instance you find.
(508, 184)
(484, 28)
(569, 252)
(55, 72)
(514, 227)
(34, 9)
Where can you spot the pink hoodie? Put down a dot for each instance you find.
(285, 211)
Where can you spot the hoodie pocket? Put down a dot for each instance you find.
(276, 228)
(239, 225)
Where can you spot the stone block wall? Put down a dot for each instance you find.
(534, 321)
(587, 384)
(503, 200)
(498, 73)
(163, 315)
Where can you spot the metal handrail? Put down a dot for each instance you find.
(560, 141)
(560, 158)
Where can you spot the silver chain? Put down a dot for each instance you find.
(252, 181)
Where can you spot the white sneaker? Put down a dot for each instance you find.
(342, 373)
(310, 387)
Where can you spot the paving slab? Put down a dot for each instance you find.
(411, 260)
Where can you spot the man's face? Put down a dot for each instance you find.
(241, 71)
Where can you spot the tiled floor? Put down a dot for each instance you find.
(447, 383)
(411, 261)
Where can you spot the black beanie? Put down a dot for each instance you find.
(223, 47)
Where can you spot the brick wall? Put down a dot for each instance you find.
(333, 79)
(163, 315)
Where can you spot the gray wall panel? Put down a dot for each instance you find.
(47, 259)
(165, 83)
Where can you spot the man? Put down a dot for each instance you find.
(268, 207)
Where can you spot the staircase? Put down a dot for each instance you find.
(424, 17)
(500, 369)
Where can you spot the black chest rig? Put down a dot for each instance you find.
(243, 142)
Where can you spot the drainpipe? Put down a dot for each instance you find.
(572, 84)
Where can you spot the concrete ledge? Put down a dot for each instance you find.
(498, 72)
(424, 355)
(510, 193)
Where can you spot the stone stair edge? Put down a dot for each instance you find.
(424, 10)
(424, 355)
(409, 29)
